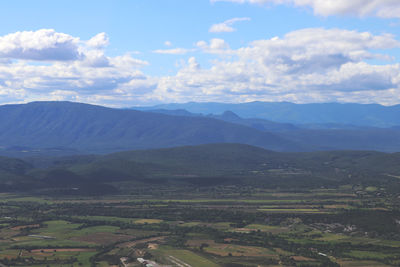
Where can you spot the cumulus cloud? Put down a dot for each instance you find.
(40, 45)
(98, 41)
(45, 64)
(226, 26)
(214, 46)
(379, 8)
(317, 49)
(309, 65)
(96, 59)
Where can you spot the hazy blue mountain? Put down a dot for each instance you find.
(262, 124)
(320, 136)
(176, 112)
(229, 116)
(65, 128)
(87, 128)
(325, 113)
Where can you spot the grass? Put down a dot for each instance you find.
(188, 257)
(105, 218)
(95, 229)
(366, 240)
(293, 210)
(365, 255)
(147, 221)
(328, 237)
(221, 225)
(62, 231)
(81, 256)
(24, 199)
(371, 189)
(239, 251)
(190, 224)
(351, 263)
(59, 229)
(235, 201)
(32, 242)
(268, 228)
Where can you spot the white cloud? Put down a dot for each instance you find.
(127, 62)
(49, 65)
(173, 51)
(167, 43)
(98, 41)
(43, 45)
(226, 26)
(95, 59)
(215, 46)
(379, 8)
(309, 65)
(317, 49)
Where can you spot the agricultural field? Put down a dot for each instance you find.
(212, 205)
(341, 227)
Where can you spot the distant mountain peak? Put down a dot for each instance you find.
(230, 115)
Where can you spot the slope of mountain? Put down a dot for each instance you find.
(13, 171)
(351, 114)
(207, 165)
(65, 128)
(238, 157)
(318, 136)
(10, 167)
(229, 116)
(266, 125)
(95, 129)
(377, 139)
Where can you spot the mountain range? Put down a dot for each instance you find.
(318, 136)
(67, 128)
(81, 128)
(372, 115)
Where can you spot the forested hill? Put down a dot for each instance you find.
(83, 128)
(203, 165)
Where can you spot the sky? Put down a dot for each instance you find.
(124, 53)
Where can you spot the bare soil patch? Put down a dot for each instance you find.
(17, 228)
(63, 250)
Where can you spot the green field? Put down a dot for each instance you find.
(189, 257)
(204, 226)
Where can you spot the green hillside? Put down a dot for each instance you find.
(203, 165)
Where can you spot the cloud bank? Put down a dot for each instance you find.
(307, 65)
(45, 64)
(378, 8)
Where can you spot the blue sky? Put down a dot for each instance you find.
(143, 52)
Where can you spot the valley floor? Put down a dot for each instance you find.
(203, 227)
